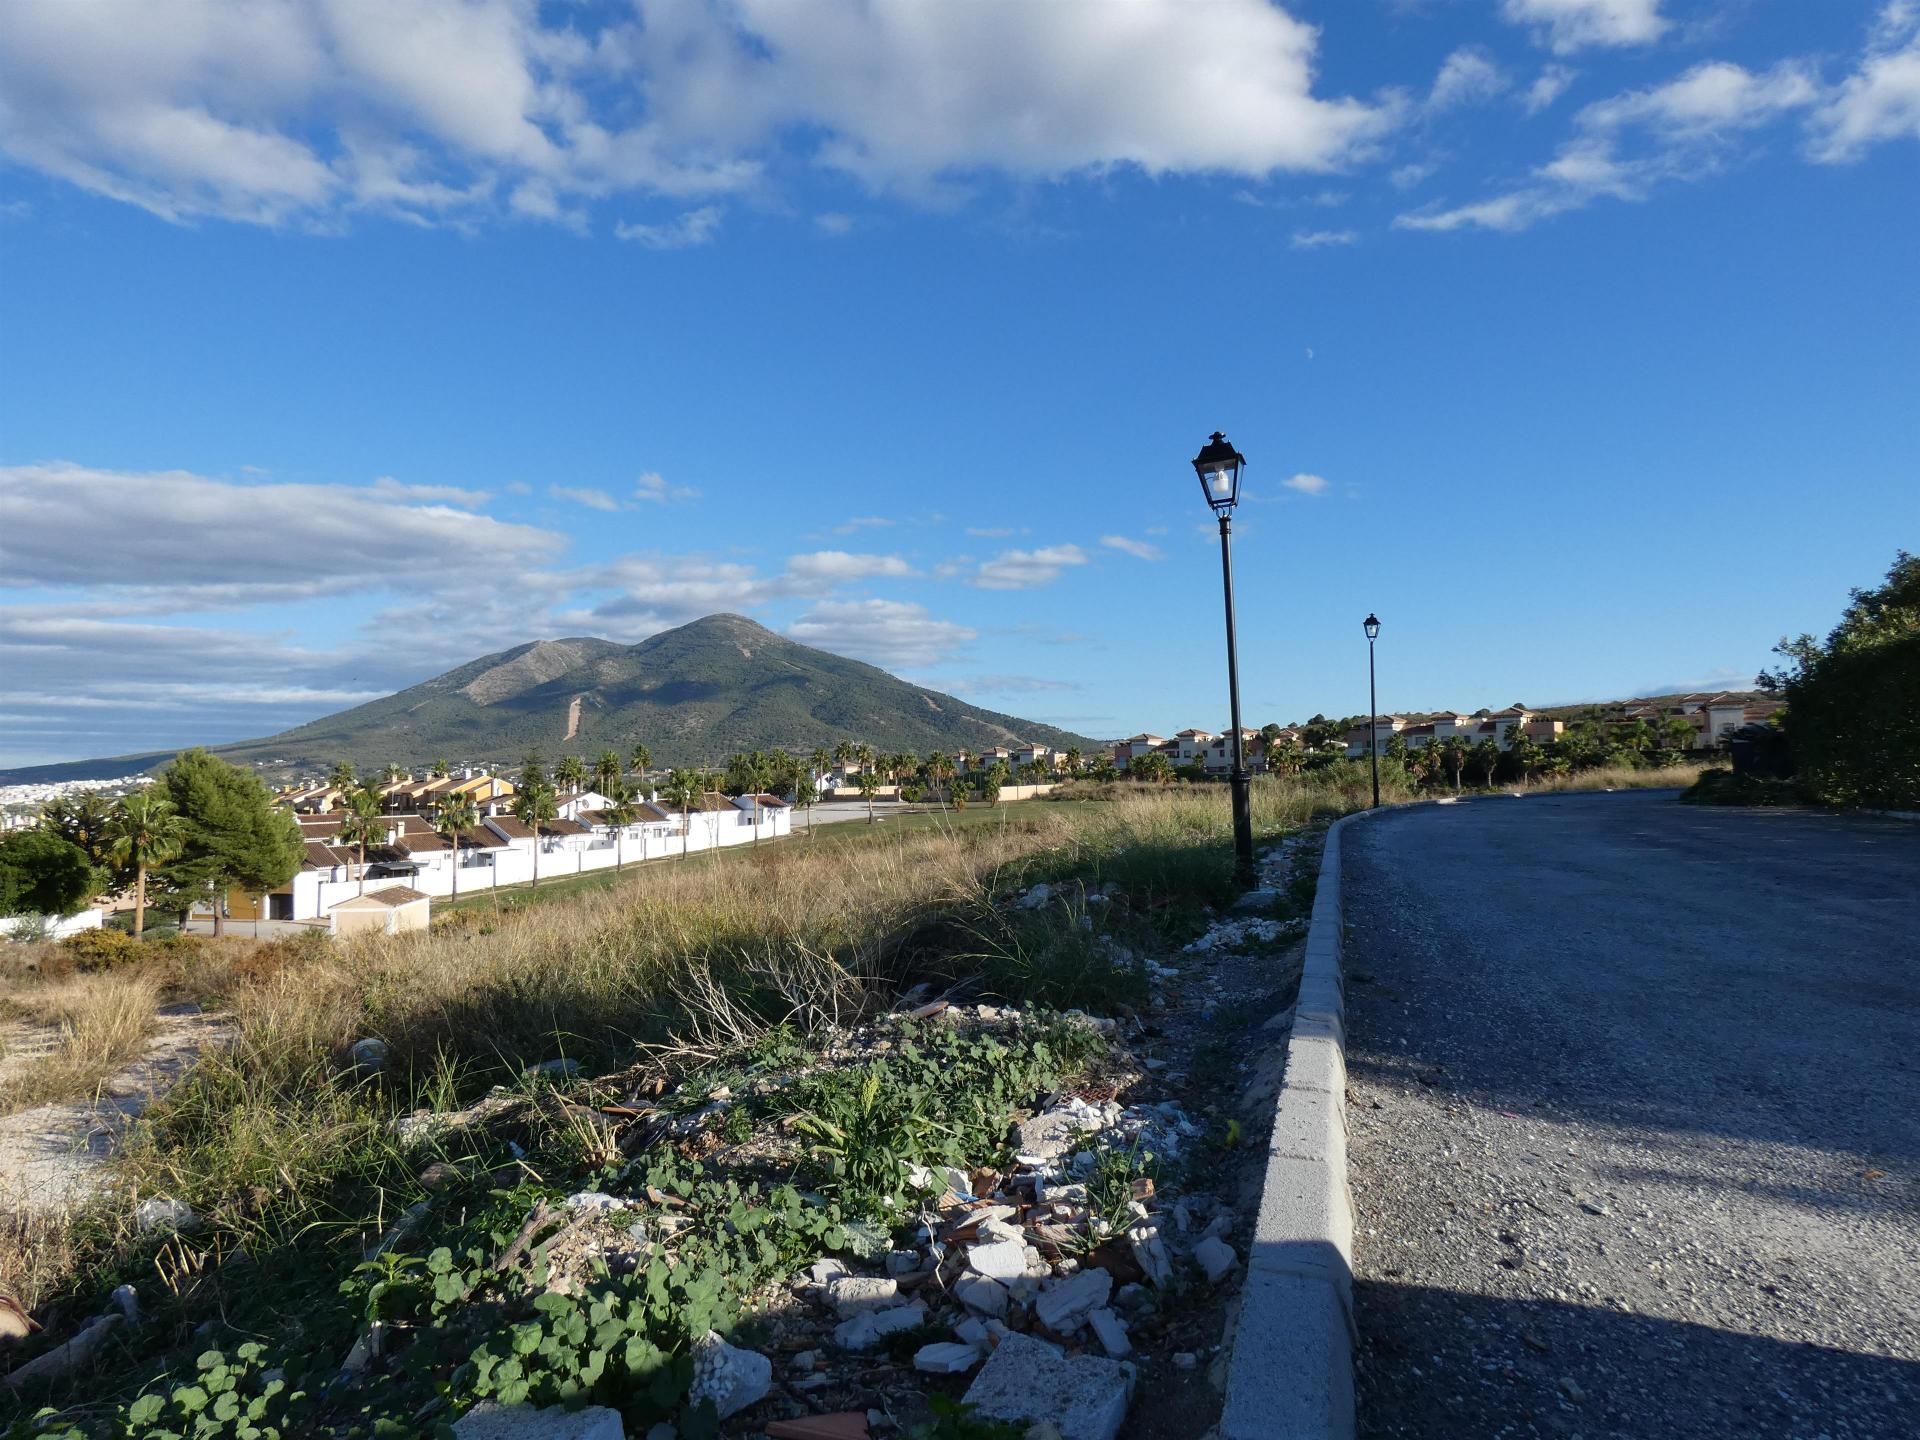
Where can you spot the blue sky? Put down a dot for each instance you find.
(344, 342)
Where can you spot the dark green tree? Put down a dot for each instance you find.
(233, 838)
(43, 874)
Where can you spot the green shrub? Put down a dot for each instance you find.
(93, 950)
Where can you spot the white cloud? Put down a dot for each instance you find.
(834, 223)
(1626, 146)
(1323, 239)
(200, 538)
(1306, 484)
(389, 488)
(1410, 175)
(892, 633)
(1024, 569)
(584, 495)
(653, 488)
(990, 532)
(862, 522)
(1467, 77)
(1569, 25)
(1880, 101)
(694, 227)
(1139, 549)
(306, 111)
(1553, 82)
(839, 565)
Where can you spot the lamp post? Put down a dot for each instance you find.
(1218, 465)
(1372, 626)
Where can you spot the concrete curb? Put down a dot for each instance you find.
(1290, 1376)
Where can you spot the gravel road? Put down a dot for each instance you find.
(1635, 1120)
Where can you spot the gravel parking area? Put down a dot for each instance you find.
(1635, 1120)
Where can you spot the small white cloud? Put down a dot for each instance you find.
(1467, 77)
(990, 532)
(1551, 84)
(653, 488)
(584, 495)
(518, 487)
(837, 566)
(884, 632)
(1569, 25)
(833, 223)
(1139, 549)
(1408, 176)
(1024, 569)
(862, 522)
(1323, 239)
(695, 227)
(1306, 484)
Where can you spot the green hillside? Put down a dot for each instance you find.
(694, 695)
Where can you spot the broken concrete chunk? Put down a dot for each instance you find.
(488, 1421)
(975, 1333)
(1216, 1257)
(1111, 1333)
(824, 1272)
(852, 1295)
(946, 1358)
(977, 1292)
(1150, 1254)
(730, 1377)
(1064, 1307)
(865, 1331)
(1027, 1380)
(999, 1259)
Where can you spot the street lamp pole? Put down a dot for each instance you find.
(1218, 464)
(1372, 626)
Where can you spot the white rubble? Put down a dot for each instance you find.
(977, 1292)
(730, 1377)
(867, 1330)
(1063, 1308)
(487, 1421)
(946, 1358)
(1111, 1331)
(1216, 1257)
(852, 1295)
(999, 1259)
(1031, 1382)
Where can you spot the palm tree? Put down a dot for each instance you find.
(622, 811)
(682, 789)
(441, 769)
(532, 772)
(457, 816)
(570, 772)
(640, 758)
(1454, 751)
(940, 771)
(342, 777)
(362, 825)
(822, 761)
(144, 832)
(534, 805)
(392, 774)
(867, 782)
(1073, 760)
(606, 772)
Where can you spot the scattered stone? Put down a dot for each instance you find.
(166, 1214)
(126, 1300)
(865, 1331)
(1570, 1388)
(1216, 1257)
(438, 1175)
(730, 1377)
(1111, 1333)
(594, 1202)
(1064, 1308)
(1150, 1254)
(564, 1068)
(1184, 1360)
(1036, 897)
(1255, 902)
(1220, 1226)
(946, 1358)
(804, 1362)
(999, 1260)
(824, 1272)
(977, 1292)
(368, 1055)
(902, 1262)
(851, 1295)
(487, 1421)
(1084, 1397)
(975, 1333)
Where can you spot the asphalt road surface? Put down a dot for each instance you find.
(1635, 1120)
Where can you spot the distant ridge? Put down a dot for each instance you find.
(693, 695)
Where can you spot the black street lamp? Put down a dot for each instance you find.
(1372, 626)
(1218, 465)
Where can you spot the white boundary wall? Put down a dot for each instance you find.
(315, 892)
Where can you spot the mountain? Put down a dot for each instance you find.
(694, 695)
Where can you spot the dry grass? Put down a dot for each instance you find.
(101, 1023)
(36, 1256)
(1624, 777)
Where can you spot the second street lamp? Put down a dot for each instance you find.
(1372, 626)
(1218, 465)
